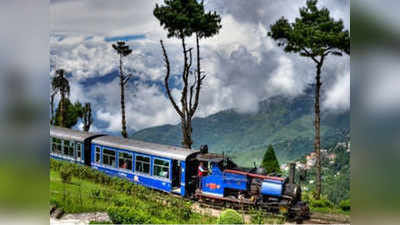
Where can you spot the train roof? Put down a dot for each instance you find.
(166, 151)
(66, 133)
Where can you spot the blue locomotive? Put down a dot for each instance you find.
(174, 170)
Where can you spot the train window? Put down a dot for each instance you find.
(79, 151)
(68, 148)
(109, 157)
(142, 164)
(97, 154)
(56, 145)
(161, 168)
(125, 161)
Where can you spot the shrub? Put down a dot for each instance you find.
(345, 205)
(230, 216)
(323, 202)
(127, 215)
(257, 217)
(66, 174)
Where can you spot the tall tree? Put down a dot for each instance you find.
(86, 116)
(270, 162)
(314, 35)
(123, 50)
(182, 19)
(52, 117)
(60, 85)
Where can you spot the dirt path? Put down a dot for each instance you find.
(80, 218)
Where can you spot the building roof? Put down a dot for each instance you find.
(69, 134)
(166, 151)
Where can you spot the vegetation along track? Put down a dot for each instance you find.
(216, 208)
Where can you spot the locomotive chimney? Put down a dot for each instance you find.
(292, 170)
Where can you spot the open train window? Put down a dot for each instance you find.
(142, 164)
(109, 157)
(79, 150)
(125, 161)
(97, 154)
(56, 146)
(161, 168)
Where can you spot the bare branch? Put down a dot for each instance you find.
(191, 92)
(126, 78)
(311, 55)
(167, 65)
(200, 78)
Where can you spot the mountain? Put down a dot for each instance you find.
(286, 123)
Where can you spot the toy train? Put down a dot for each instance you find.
(174, 170)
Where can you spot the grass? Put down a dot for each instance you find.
(81, 195)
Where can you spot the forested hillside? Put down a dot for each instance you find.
(286, 123)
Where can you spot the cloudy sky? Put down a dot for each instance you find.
(244, 66)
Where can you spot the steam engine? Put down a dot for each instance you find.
(226, 183)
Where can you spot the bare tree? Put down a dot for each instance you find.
(123, 50)
(182, 19)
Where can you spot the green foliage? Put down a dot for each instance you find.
(72, 113)
(230, 216)
(66, 174)
(100, 222)
(257, 217)
(315, 33)
(345, 205)
(128, 215)
(124, 200)
(182, 18)
(270, 162)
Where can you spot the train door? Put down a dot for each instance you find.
(176, 176)
(87, 152)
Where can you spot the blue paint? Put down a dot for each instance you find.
(147, 180)
(213, 183)
(183, 175)
(235, 181)
(272, 188)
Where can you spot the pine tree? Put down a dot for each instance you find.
(270, 162)
(315, 35)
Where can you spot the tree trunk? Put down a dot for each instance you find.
(186, 118)
(87, 121)
(62, 108)
(52, 109)
(187, 133)
(317, 141)
(123, 121)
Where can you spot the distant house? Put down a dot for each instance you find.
(284, 167)
(332, 156)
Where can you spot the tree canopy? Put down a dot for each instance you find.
(270, 162)
(314, 34)
(72, 113)
(182, 18)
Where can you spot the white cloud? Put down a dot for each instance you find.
(243, 65)
(338, 96)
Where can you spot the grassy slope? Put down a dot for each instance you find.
(73, 204)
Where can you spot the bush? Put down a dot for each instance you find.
(127, 215)
(323, 202)
(257, 217)
(230, 216)
(66, 174)
(345, 205)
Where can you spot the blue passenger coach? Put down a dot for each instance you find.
(71, 145)
(152, 165)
